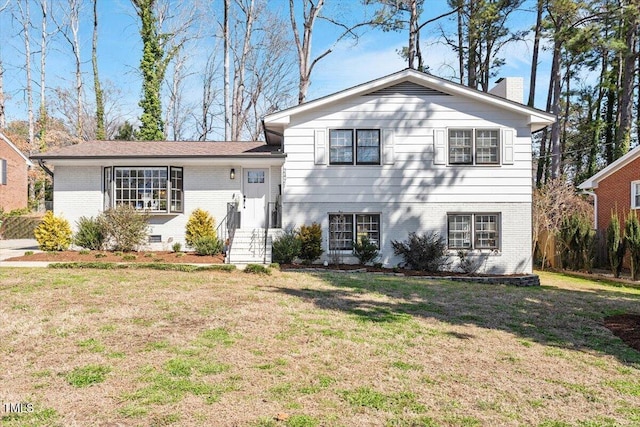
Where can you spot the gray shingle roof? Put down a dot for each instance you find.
(160, 149)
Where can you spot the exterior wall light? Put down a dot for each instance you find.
(232, 174)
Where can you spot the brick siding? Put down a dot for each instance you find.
(14, 194)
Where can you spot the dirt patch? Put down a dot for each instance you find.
(626, 327)
(93, 256)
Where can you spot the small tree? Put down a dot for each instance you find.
(365, 250)
(577, 239)
(310, 242)
(632, 237)
(53, 233)
(426, 252)
(125, 228)
(200, 224)
(616, 245)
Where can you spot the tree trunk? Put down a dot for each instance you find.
(413, 32)
(536, 50)
(43, 56)
(100, 130)
(227, 72)
(461, 41)
(305, 66)
(3, 118)
(556, 163)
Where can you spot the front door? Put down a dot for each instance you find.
(256, 188)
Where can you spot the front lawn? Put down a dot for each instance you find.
(145, 347)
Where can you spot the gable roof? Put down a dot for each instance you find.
(537, 119)
(14, 148)
(593, 181)
(160, 149)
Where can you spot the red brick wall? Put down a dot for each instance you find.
(614, 193)
(14, 194)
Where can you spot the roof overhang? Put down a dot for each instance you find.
(537, 119)
(592, 182)
(14, 148)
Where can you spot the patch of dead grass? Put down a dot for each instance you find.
(217, 348)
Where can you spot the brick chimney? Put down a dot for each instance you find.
(511, 88)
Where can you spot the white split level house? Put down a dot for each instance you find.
(404, 153)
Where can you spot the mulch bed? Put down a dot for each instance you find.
(104, 256)
(626, 327)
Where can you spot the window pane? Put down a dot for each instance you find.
(460, 146)
(459, 231)
(486, 231)
(255, 177)
(368, 146)
(341, 147)
(142, 188)
(341, 232)
(487, 146)
(176, 190)
(368, 225)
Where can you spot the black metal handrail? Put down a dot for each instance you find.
(227, 228)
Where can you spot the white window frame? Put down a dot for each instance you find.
(635, 193)
(474, 148)
(475, 231)
(165, 190)
(358, 223)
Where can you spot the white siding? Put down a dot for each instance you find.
(413, 193)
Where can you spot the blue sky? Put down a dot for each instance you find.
(374, 55)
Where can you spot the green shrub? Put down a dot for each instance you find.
(365, 250)
(578, 242)
(90, 234)
(84, 252)
(207, 245)
(426, 252)
(616, 245)
(200, 224)
(129, 257)
(125, 229)
(177, 247)
(257, 269)
(27, 253)
(286, 247)
(53, 233)
(310, 242)
(632, 237)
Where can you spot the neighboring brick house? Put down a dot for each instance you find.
(615, 188)
(13, 176)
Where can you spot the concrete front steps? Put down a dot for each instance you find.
(248, 246)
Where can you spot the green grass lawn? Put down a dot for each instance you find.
(143, 348)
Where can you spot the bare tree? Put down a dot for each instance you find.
(3, 118)
(69, 30)
(205, 119)
(97, 88)
(226, 36)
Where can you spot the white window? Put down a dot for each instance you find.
(345, 228)
(366, 150)
(473, 231)
(151, 189)
(474, 147)
(3, 172)
(635, 195)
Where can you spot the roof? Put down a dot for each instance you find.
(537, 119)
(160, 149)
(13, 147)
(593, 181)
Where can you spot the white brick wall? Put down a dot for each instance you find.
(397, 220)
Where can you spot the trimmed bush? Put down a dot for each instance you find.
(200, 224)
(53, 233)
(125, 229)
(578, 242)
(632, 237)
(286, 247)
(616, 245)
(365, 250)
(257, 269)
(90, 234)
(426, 252)
(177, 247)
(310, 242)
(207, 245)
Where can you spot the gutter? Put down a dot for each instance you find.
(595, 207)
(45, 168)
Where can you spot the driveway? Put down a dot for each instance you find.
(17, 247)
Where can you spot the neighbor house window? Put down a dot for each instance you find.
(473, 231)
(3, 172)
(635, 195)
(365, 151)
(469, 147)
(149, 189)
(344, 229)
